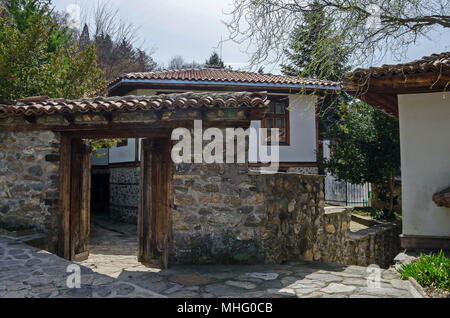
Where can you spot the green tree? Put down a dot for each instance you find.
(85, 37)
(215, 61)
(315, 52)
(38, 56)
(366, 148)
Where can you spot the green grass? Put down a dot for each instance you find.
(374, 213)
(429, 271)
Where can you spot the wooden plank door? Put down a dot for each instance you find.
(154, 218)
(80, 199)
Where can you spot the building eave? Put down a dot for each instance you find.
(225, 83)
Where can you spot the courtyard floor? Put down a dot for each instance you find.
(29, 272)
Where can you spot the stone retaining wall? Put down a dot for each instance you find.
(336, 232)
(224, 214)
(29, 181)
(376, 245)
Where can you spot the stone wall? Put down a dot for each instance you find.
(376, 245)
(304, 170)
(29, 180)
(224, 214)
(335, 235)
(124, 194)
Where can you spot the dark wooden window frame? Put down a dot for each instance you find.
(273, 101)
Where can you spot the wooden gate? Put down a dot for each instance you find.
(154, 218)
(75, 195)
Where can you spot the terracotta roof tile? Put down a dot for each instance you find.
(223, 75)
(427, 64)
(132, 103)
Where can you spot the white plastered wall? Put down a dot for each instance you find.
(425, 162)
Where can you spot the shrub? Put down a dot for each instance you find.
(429, 271)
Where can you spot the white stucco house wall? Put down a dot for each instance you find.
(417, 93)
(425, 149)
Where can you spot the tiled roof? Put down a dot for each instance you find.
(427, 64)
(42, 106)
(223, 75)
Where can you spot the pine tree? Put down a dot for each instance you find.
(314, 51)
(85, 38)
(145, 62)
(215, 61)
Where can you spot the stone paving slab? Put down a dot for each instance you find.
(29, 272)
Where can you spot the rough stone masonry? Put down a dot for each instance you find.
(29, 181)
(224, 214)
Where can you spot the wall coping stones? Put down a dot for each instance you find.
(307, 176)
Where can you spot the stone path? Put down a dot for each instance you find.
(29, 272)
(26, 272)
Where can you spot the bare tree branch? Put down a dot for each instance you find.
(265, 25)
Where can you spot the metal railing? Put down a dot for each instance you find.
(348, 194)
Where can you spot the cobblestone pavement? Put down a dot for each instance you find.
(29, 272)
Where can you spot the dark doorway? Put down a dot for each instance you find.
(100, 193)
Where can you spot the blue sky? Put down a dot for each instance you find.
(193, 28)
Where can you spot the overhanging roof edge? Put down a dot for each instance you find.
(274, 85)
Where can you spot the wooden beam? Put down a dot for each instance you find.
(287, 164)
(31, 119)
(116, 130)
(69, 117)
(64, 197)
(425, 242)
(129, 133)
(402, 84)
(125, 88)
(383, 101)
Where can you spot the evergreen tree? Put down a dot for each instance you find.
(144, 61)
(39, 57)
(116, 58)
(215, 61)
(85, 38)
(316, 52)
